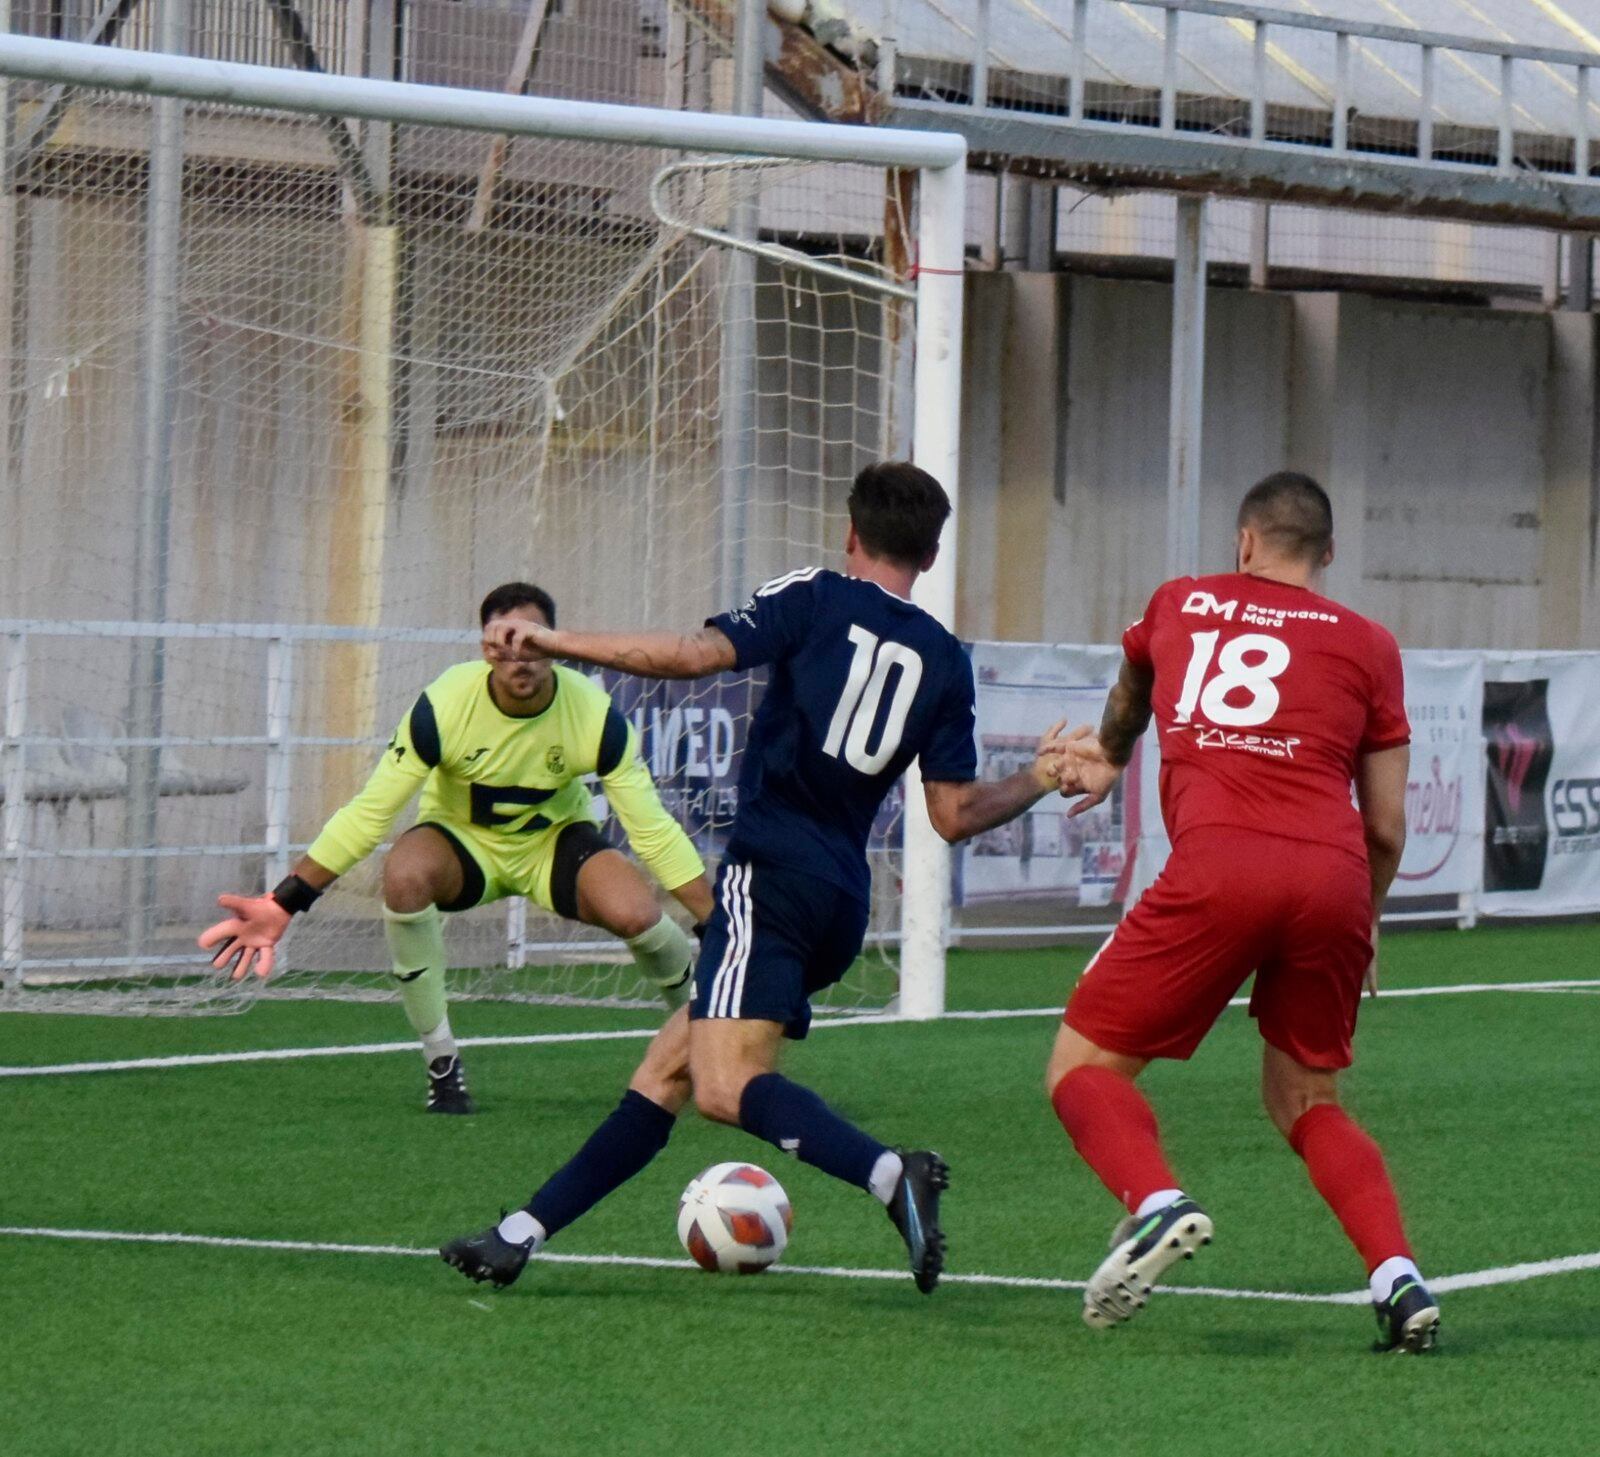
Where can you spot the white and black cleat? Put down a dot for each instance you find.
(1408, 1320)
(447, 1087)
(1141, 1251)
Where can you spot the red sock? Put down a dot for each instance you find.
(1347, 1169)
(1114, 1131)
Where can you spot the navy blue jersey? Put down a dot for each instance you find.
(862, 683)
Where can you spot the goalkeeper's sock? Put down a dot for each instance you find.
(416, 944)
(1115, 1132)
(796, 1120)
(1347, 1169)
(665, 957)
(619, 1148)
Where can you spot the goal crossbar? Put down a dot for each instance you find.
(231, 83)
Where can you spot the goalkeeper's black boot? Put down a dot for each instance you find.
(447, 1086)
(915, 1212)
(1141, 1251)
(487, 1256)
(1408, 1320)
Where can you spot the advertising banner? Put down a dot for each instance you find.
(1444, 794)
(1023, 689)
(1541, 731)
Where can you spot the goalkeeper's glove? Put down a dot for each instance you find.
(247, 940)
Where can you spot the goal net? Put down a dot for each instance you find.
(288, 392)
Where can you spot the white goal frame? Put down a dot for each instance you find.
(938, 159)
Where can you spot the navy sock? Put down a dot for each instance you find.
(796, 1120)
(635, 1133)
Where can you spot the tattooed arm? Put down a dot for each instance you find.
(1127, 713)
(644, 654)
(1092, 766)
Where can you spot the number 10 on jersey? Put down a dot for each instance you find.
(864, 687)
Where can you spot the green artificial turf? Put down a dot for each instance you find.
(1485, 1103)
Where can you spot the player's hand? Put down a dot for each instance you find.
(1048, 754)
(1086, 771)
(517, 639)
(246, 940)
(1370, 980)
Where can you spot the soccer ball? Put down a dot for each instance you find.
(734, 1218)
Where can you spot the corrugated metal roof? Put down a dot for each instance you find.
(1125, 46)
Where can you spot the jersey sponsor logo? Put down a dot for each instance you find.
(1575, 807)
(555, 759)
(1205, 605)
(1269, 746)
(474, 756)
(1277, 616)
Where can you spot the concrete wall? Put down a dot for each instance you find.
(1458, 445)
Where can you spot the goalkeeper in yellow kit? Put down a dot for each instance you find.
(500, 754)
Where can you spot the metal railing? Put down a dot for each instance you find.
(278, 741)
(1352, 41)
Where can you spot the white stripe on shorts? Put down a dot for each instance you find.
(721, 983)
(748, 916)
(733, 990)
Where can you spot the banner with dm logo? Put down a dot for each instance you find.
(1444, 793)
(1541, 729)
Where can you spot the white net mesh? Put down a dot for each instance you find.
(405, 364)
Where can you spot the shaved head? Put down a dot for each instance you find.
(1292, 515)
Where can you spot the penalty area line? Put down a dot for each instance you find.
(1471, 1280)
(626, 1034)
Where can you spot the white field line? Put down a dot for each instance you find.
(1471, 1280)
(533, 1039)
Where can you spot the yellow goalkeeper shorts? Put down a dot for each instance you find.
(542, 866)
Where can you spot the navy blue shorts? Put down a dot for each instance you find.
(776, 937)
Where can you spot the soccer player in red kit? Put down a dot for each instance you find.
(1270, 701)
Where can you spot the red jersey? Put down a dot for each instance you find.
(1265, 696)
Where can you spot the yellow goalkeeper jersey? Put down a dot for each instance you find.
(504, 779)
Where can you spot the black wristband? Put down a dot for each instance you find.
(294, 895)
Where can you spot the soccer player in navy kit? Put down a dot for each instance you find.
(862, 682)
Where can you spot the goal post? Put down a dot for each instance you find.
(380, 355)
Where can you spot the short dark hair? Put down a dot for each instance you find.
(1292, 512)
(509, 596)
(898, 512)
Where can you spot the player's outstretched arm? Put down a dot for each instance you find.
(1127, 712)
(644, 654)
(1381, 792)
(1091, 765)
(248, 939)
(959, 811)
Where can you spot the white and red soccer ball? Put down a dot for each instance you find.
(734, 1218)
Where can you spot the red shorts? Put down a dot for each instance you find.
(1231, 902)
